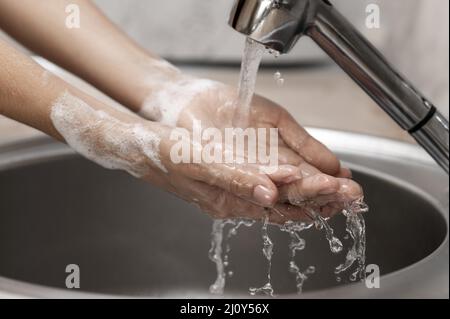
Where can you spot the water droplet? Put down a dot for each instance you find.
(264, 290)
(275, 53)
(278, 78)
(311, 270)
(230, 274)
(338, 279)
(335, 245)
(277, 75)
(280, 82)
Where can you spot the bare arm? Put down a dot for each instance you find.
(97, 52)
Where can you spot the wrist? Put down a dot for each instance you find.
(112, 139)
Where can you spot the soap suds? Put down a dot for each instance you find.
(166, 104)
(104, 139)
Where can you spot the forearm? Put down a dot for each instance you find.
(28, 92)
(97, 52)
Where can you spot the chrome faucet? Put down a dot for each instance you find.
(278, 24)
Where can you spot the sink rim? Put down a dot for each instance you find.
(21, 153)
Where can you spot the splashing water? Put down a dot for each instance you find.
(251, 60)
(216, 251)
(335, 244)
(215, 255)
(355, 225)
(321, 223)
(267, 289)
(356, 228)
(297, 243)
(236, 224)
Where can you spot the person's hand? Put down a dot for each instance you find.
(120, 140)
(309, 175)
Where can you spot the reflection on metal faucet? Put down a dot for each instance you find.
(278, 24)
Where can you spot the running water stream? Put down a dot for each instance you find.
(267, 289)
(356, 228)
(216, 253)
(251, 60)
(355, 225)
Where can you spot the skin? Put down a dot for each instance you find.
(112, 62)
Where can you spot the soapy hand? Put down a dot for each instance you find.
(308, 176)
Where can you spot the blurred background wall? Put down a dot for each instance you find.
(414, 34)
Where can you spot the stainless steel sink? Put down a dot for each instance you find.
(131, 239)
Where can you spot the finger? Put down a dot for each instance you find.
(290, 173)
(220, 204)
(244, 181)
(285, 174)
(350, 190)
(287, 156)
(345, 173)
(313, 151)
(223, 205)
(309, 188)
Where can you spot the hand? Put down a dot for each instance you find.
(120, 140)
(308, 172)
(124, 141)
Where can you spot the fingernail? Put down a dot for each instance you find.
(347, 172)
(263, 195)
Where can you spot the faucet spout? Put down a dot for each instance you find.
(278, 24)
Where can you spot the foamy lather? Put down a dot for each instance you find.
(166, 104)
(104, 139)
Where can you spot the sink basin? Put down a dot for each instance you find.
(132, 239)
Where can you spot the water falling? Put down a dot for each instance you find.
(216, 252)
(320, 223)
(297, 244)
(251, 60)
(356, 228)
(355, 225)
(267, 289)
(215, 255)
